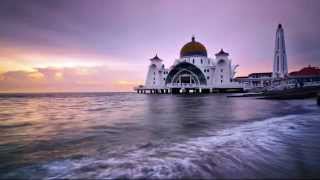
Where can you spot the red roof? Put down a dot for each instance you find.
(307, 71)
(241, 77)
(261, 74)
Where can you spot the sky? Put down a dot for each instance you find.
(105, 45)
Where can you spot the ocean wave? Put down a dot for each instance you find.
(251, 150)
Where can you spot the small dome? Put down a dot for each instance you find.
(193, 48)
(156, 58)
(222, 53)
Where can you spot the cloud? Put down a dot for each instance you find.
(68, 79)
(120, 36)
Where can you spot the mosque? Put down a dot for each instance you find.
(195, 72)
(192, 72)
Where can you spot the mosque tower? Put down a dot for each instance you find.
(280, 65)
(155, 72)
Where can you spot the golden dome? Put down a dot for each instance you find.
(193, 48)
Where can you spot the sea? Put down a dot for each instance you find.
(129, 135)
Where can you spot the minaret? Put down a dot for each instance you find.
(280, 65)
(155, 72)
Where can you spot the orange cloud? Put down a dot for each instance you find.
(15, 59)
(24, 69)
(69, 79)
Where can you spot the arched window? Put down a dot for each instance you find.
(192, 61)
(221, 62)
(183, 69)
(201, 61)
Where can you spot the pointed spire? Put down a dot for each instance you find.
(193, 38)
(156, 57)
(222, 53)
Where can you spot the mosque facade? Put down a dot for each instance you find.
(192, 72)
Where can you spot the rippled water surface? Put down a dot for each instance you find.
(128, 135)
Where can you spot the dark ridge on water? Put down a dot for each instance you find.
(129, 135)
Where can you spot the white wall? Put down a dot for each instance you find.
(223, 70)
(156, 76)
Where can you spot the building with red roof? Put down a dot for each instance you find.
(306, 72)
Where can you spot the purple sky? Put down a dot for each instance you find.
(124, 33)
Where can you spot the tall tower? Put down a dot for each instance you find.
(155, 73)
(280, 64)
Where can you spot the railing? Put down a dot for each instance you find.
(188, 85)
(313, 83)
(182, 85)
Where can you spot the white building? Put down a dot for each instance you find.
(260, 81)
(192, 72)
(280, 64)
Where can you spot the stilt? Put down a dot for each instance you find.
(175, 90)
(206, 91)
